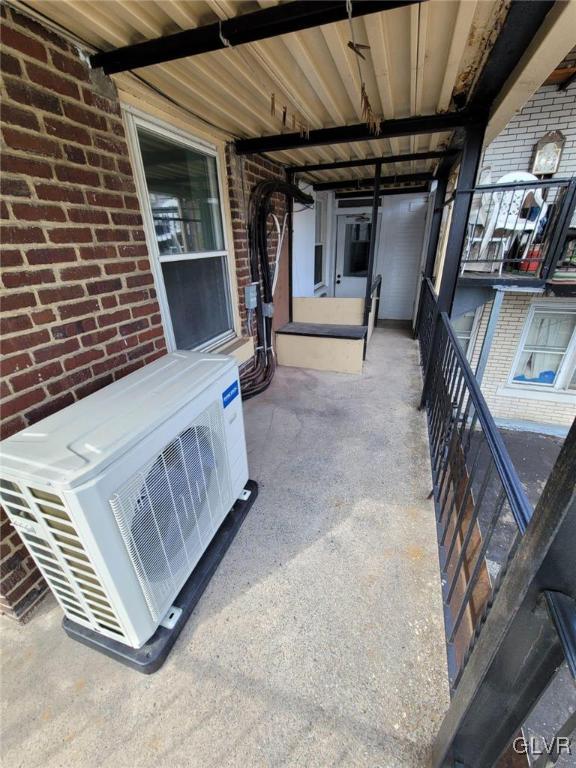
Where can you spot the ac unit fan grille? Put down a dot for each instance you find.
(168, 511)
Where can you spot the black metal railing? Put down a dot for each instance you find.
(508, 582)
(564, 268)
(375, 291)
(427, 320)
(516, 230)
(481, 507)
(372, 305)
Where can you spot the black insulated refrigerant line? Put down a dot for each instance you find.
(259, 208)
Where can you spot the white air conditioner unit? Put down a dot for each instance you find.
(118, 495)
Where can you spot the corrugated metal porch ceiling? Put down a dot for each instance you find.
(420, 57)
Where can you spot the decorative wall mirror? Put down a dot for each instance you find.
(547, 153)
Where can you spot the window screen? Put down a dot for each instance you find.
(198, 300)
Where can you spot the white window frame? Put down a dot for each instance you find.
(560, 386)
(134, 119)
(473, 332)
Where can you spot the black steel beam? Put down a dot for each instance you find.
(361, 183)
(365, 194)
(523, 20)
(404, 126)
(521, 24)
(408, 157)
(246, 28)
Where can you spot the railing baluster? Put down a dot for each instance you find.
(473, 578)
(469, 531)
(462, 504)
(467, 455)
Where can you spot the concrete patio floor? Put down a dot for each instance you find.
(319, 641)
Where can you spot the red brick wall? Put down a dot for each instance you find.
(244, 172)
(78, 305)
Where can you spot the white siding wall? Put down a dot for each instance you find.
(304, 235)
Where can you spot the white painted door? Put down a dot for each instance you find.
(399, 255)
(352, 248)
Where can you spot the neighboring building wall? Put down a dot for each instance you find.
(516, 408)
(79, 306)
(548, 110)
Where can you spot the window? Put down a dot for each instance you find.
(186, 228)
(357, 249)
(320, 222)
(465, 328)
(547, 353)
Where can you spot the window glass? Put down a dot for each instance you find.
(318, 264)
(182, 185)
(198, 300)
(463, 326)
(319, 221)
(545, 348)
(356, 249)
(183, 188)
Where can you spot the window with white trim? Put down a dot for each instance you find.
(466, 328)
(547, 353)
(185, 224)
(319, 245)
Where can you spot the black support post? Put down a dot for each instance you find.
(372, 246)
(289, 223)
(471, 154)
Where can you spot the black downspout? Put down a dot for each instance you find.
(290, 203)
(372, 247)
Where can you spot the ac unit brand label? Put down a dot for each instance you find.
(230, 394)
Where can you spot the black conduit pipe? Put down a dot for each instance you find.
(259, 208)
